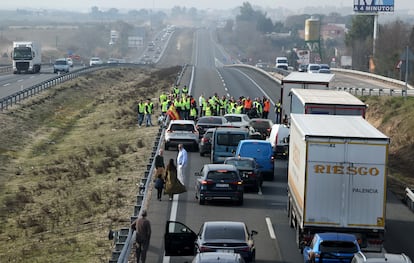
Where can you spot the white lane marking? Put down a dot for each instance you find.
(20, 80)
(270, 228)
(5, 85)
(173, 217)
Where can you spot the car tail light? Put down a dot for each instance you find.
(243, 249)
(205, 139)
(374, 241)
(237, 183)
(205, 182)
(169, 131)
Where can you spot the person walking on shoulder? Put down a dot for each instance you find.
(159, 185)
(172, 184)
(159, 163)
(142, 227)
(181, 163)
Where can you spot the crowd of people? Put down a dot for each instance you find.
(179, 104)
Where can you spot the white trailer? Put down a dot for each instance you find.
(331, 102)
(337, 178)
(26, 56)
(302, 80)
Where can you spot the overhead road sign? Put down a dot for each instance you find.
(373, 6)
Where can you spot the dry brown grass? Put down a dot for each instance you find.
(70, 162)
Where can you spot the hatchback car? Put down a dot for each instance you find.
(181, 131)
(219, 182)
(313, 68)
(331, 248)
(207, 122)
(249, 172)
(61, 65)
(213, 236)
(262, 126)
(204, 147)
(238, 120)
(380, 258)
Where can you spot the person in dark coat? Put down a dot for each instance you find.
(172, 184)
(159, 185)
(159, 163)
(142, 227)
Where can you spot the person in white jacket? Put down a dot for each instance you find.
(182, 160)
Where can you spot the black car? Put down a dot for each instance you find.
(207, 122)
(213, 236)
(249, 171)
(204, 145)
(262, 126)
(219, 182)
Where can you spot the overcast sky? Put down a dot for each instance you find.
(85, 5)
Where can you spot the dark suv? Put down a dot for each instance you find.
(219, 182)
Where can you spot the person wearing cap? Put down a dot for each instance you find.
(142, 227)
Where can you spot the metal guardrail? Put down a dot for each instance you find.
(409, 198)
(126, 237)
(5, 69)
(19, 96)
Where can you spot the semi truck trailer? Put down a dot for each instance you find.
(337, 178)
(332, 102)
(26, 56)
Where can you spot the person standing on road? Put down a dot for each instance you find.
(142, 227)
(159, 163)
(149, 108)
(172, 184)
(181, 163)
(278, 112)
(141, 112)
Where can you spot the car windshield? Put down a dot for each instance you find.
(233, 118)
(338, 246)
(314, 67)
(260, 124)
(60, 62)
(240, 163)
(225, 232)
(229, 139)
(182, 127)
(222, 175)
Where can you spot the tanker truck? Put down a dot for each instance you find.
(26, 56)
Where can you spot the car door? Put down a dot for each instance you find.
(179, 240)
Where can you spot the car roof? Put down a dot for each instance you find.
(219, 166)
(254, 141)
(383, 257)
(337, 237)
(222, 223)
(182, 122)
(235, 114)
(231, 129)
(240, 158)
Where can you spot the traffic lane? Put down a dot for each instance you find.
(253, 212)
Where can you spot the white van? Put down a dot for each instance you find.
(279, 139)
(282, 63)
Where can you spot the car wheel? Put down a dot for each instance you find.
(201, 154)
(201, 201)
(195, 147)
(240, 201)
(166, 146)
(253, 256)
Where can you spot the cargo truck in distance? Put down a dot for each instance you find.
(26, 56)
(337, 178)
(301, 80)
(330, 102)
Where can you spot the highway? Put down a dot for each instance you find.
(265, 213)
(258, 210)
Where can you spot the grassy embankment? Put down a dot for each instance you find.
(70, 161)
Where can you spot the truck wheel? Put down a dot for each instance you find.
(298, 238)
(290, 215)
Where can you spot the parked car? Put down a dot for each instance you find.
(372, 257)
(238, 120)
(61, 65)
(303, 68)
(94, 61)
(181, 131)
(204, 146)
(249, 171)
(279, 139)
(262, 126)
(225, 141)
(219, 182)
(207, 122)
(262, 152)
(313, 68)
(213, 236)
(331, 248)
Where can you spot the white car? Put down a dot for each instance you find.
(95, 61)
(181, 131)
(70, 62)
(238, 120)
